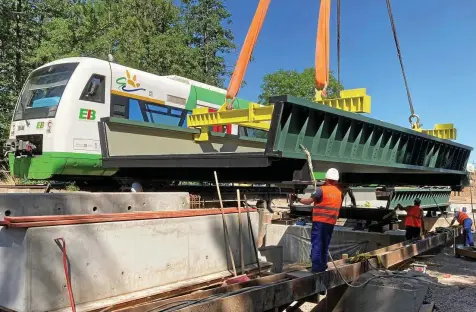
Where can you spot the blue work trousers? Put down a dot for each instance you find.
(321, 235)
(468, 235)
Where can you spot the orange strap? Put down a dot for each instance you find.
(247, 49)
(322, 45)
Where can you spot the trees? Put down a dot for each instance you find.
(204, 23)
(292, 82)
(20, 24)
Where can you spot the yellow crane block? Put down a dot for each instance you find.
(255, 116)
(353, 100)
(442, 131)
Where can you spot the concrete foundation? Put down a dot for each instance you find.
(109, 261)
(296, 241)
(89, 203)
(385, 294)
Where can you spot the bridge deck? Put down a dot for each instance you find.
(364, 150)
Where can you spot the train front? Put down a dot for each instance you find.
(36, 108)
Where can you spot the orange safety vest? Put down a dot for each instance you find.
(461, 217)
(327, 211)
(413, 218)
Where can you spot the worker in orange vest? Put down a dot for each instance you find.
(413, 220)
(467, 223)
(327, 200)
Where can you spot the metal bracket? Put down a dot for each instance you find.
(352, 100)
(442, 131)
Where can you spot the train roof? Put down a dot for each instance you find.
(172, 77)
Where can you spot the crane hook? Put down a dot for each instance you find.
(414, 124)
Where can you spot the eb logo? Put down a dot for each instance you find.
(87, 114)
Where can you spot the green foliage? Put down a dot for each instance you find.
(19, 24)
(204, 26)
(72, 187)
(292, 82)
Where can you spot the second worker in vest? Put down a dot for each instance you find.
(327, 200)
(413, 220)
(467, 223)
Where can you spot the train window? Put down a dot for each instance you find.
(159, 114)
(95, 89)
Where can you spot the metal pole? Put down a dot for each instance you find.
(227, 238)
(242, 260)
(252, 235)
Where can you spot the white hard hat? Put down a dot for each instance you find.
(456, 209)
(332, 174)
(136, 187)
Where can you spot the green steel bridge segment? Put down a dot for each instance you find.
(364, 150)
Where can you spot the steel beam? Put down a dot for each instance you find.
(334, 135)
(283, 293)
(430, 197)
(280, 290)
(364, 150)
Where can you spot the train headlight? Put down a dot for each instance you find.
(49, 125)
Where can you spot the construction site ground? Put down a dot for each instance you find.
(454, 279)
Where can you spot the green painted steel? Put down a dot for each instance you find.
(202, 94)
(57, 163)
(336, 136)
(430, 198)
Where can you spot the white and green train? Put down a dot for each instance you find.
(54, 130)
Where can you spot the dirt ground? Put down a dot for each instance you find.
(456, 287)
(459, 277)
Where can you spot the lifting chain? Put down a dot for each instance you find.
(414, 124)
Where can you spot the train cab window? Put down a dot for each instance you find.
(95, 89)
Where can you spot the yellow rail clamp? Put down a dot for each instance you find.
(255, 116)
(352, 100)
(442, 131)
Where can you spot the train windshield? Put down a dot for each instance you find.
(43, 91)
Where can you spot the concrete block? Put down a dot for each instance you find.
(383, 295)
(296, 241)
(273, 254)
(89, 203)
(112, 260)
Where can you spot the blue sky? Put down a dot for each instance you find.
(437, 38)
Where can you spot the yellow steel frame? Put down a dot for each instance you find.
(259, 117)
(442, 131)
(255, 116)
(354, 100)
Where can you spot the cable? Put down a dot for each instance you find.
(438, 206)
(338, 43)
(393, 274)
(62, 245)
(399, 53)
